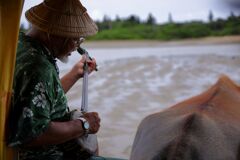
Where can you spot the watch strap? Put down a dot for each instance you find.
(83, 120)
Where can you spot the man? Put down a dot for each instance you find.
(39, 117)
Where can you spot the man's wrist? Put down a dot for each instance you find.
(85, 124)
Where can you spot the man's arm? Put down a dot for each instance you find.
(76, 73)
(60, 132)
(68, 80)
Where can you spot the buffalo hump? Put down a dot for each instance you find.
(204, 127)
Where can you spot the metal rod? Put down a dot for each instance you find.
(84, 105)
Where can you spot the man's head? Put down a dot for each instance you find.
(64, 22)
(62, 47)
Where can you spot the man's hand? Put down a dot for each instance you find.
(60, 132)
(76, 72)
(93, 120)
(77, 69)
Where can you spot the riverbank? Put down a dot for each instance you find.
(156, 43)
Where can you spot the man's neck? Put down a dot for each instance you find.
(41, 37)
(38, 35)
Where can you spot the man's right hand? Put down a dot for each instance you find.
(93, 120)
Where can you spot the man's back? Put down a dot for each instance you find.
(38, 97)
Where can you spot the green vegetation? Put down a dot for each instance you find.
(132, 28)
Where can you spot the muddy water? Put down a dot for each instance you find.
(135, 82)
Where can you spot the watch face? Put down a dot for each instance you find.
(86, 125)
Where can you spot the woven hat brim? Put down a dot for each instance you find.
(61, 24)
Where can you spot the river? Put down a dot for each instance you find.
(134, 82)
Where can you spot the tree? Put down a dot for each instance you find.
(151, 20)
(210, 16)
(106, 23)
(117, 19)
(232, 16)
(133, 19)
(170, 19)
(106, 18)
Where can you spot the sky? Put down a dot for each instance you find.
(181, 10)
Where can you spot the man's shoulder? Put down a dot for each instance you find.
(33, 49)
(32, 60)
(30, 56)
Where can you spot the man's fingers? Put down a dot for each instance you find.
(83, 59)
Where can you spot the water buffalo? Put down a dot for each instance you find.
(205, 127)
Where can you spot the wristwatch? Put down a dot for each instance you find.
(85, 124)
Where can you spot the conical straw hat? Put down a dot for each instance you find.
(66, 18)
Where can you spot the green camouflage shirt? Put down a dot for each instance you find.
(38, 98)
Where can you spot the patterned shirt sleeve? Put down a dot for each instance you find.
(36, 108)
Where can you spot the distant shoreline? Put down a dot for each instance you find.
(158, 43)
